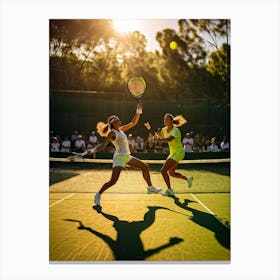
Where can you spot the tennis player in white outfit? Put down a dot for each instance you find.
(113, 130)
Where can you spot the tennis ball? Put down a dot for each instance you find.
(173, 45)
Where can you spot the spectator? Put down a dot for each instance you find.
(165, 148)
(213, 147)
(110, 148)
(139, 145)
(207, 144)
(158, 144)
(224, 145)
(55, 146)
(73, 139)
(203, 143)
(80, 145)
(51, 137)
(92, 141)
(65, 145)
(150, 146)
(197, 143)
(188, 143)
(131, 143)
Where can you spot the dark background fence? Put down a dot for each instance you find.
(76, 110)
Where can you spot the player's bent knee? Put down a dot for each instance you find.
(171, 173)
(146, 167)
(163, 171)
(112, 182)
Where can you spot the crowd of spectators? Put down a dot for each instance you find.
(78, 142)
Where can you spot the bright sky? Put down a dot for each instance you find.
(149, 27)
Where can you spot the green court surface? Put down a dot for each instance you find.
(135, 226)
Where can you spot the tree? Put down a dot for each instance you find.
(67, 34)
(79, 37)
(185, 66)
(90, 55)
(218, 64)
(219, 67)
(207, 31)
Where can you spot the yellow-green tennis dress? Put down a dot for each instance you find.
(176, 149)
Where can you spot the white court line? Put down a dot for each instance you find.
(209, 211)
(61, 199)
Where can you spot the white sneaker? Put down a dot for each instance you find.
(190, 179)
(97, 199)
(153, 189)
(168, 192)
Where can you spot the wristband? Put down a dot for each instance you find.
(139, 111)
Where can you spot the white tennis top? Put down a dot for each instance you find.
(120, 143)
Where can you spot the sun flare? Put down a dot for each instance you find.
(125, 25)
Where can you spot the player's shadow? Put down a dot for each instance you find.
(128, 245)
(56, 177)
(208, 221)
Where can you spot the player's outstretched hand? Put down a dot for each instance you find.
(147, 125)
(90, 152)
(157, 137)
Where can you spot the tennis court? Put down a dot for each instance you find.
(132, 225)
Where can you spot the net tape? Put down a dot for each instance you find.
(150, 161)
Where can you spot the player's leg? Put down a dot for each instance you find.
(136, 163)
(177, 157)
(172, 172)
(164, 170)
(114, 178)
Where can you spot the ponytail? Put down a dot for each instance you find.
(178, 120)
(104, 129)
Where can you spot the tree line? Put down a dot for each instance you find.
(89, 55)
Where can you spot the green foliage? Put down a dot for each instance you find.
(219, 63)
(89, 55)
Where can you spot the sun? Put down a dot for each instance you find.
(125, 25)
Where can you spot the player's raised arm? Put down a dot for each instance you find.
(155, 134)
(135, 119)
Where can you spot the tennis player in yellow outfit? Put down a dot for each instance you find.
(171, 134)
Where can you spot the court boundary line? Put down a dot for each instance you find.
(67, 196)
(208, 210)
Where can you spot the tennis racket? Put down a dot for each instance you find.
(136, 87)
(77, 156)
